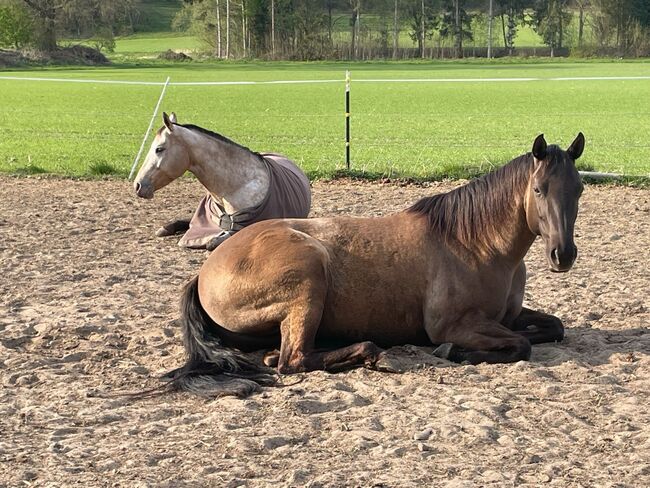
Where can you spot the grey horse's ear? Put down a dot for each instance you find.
(168, 123)
(577, 146)
(539, 147)
(172, 117)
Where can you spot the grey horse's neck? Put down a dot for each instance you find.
(235, 177)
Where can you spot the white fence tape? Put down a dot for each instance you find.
(357, 80)
(74, 80)
(146, 134)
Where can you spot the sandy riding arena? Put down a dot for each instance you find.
(88, 308)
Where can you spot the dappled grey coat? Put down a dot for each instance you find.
(289, 196)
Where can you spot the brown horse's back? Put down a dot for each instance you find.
(369, 274)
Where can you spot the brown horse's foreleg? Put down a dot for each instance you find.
(478, 340)
(538, 327)
(173, 227)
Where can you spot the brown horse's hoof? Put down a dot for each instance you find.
(271, 359)
(448, 351)
(386, 364)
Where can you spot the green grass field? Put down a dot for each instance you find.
(423, 130)
(147, 44)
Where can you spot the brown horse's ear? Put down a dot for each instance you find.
(172, 117)
(168, 123)
(576, 147)
(539, 147)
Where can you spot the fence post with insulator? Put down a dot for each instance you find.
(347, 120)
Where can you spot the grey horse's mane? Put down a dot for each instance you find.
(211, 134)
(214, 135)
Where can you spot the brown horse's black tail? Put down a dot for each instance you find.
(212, 369)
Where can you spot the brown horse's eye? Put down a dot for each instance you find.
(536, 190)
(159, 149)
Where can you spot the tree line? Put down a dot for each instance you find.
(347, 29)
(42, 23)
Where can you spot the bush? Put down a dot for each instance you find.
(104, 40)
(16, 26)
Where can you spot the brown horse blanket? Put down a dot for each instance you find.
(289, 196)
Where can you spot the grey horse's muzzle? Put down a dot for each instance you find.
(143, 190)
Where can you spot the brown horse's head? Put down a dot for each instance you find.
(167, 159)
(552, 200)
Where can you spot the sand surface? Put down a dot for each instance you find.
(88, 303)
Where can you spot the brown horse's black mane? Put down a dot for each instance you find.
(473, 214)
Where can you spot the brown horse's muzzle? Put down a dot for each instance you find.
(561, 258)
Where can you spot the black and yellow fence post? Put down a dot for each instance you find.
(347, 120)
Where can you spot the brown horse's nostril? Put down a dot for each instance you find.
(554, 257)
(137, 187)
(563, 258)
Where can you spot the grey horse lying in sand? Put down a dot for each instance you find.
(243, 187)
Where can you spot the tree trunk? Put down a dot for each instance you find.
(218, 53)
(490, 20)
(581, 23)
(243, 27)
(353, 43)
(561, 27)
(503, 27)
(395, 32)
(329, 22)
(422, 31)
(47, 39)
(46, 13)
(227, 29)
(459, 32)
(273, 28)
(358, 28)
(512, 29)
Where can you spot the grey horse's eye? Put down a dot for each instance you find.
(159, 149)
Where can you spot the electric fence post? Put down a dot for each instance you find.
(347, 120)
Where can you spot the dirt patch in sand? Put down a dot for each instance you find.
(88, 305)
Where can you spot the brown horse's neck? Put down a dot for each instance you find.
(485, 219)
(235, 176)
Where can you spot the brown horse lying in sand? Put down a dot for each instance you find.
(330, 291)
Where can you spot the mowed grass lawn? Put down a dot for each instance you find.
(413, 129)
